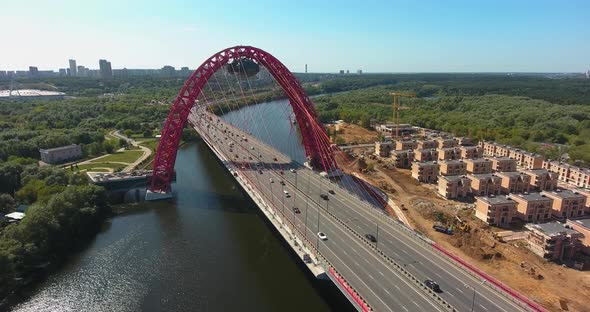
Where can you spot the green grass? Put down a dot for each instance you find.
(125, 156)
(91, 167)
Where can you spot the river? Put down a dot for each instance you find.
(209, 249)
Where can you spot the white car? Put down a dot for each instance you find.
(322, 236)
(292, 170)
(271, 180)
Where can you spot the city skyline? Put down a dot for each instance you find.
(456, 36)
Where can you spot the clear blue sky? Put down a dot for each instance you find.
(377, 36)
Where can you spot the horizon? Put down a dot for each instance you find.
(452, 37)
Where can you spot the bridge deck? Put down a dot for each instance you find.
(345, 219)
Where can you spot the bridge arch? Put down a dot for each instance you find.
(315, 141)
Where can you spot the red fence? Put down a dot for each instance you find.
(492, 280)
(356, 297)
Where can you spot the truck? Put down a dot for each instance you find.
(443, 229)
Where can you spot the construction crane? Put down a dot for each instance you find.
(397, 107)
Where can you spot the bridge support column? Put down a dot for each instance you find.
(151, 196)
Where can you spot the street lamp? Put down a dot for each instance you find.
(473, 288)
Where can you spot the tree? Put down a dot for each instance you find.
(7, 203)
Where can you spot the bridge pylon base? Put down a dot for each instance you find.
(151, 196)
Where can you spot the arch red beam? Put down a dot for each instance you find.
(305, 113)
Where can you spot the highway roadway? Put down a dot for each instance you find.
(385, 288)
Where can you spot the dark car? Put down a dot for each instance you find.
(331, 192)
(282, 183)
(275, 159)
(324, 196)
(296, 210)
(260, 171)
(432, 285)
(371, 238)
(306, 258)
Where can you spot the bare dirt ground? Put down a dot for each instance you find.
(554, 287)
(357, 134)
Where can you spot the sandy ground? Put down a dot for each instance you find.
(556, 288)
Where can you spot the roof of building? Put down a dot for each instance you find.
(15, 215)
(402, 152)
(503, 158)
(59, 148)
(496, 199)
(451, 162)
(552, 229)
(477, 160)
(482, 176)
(453, 178)
(427, 163)
(564, 194)
(583, 222)
(29, 92)
(509, 174)
(530, 197)
(536, 171)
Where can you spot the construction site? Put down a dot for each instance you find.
(499, 251)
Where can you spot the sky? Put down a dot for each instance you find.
(375, 36)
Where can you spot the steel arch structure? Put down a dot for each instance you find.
(318, 148)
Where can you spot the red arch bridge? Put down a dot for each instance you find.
(334, 222)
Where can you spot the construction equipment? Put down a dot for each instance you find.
(397, 107)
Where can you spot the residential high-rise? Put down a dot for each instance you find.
(306, 68)
(73, 71)
(33, 71)
(106, 72)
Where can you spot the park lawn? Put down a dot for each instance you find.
(127, 156)
(92, 166)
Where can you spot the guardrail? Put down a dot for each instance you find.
(504, 288)
(355, 296)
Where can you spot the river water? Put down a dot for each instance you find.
(209, 249)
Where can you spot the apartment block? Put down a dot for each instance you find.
(402, 159)
(582, 226)
(562, 169)
(514, 182)
(453, 187)
(505, 164)
(405, 145)
(447, 142)
(426, 144)
(531, 161)
(566, 203)
(485, 184)
(579, 177)
(552, 241)
(533, 207)
(542, 179)
(422, 155)
(478, 166)
(425, 171)
(497, 211)
(586, 193)
(502, 151)
(449, 153)
(471, 151)
(489, 148)
(383, 149)
(452, 167)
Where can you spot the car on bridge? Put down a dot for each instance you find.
(324, 196)
(296, 210)
(282, 182)
(260, 171)
(322, 236)
(371, 238)
(271, 180)
(286, 194)
(292, 170)
(432, 285)
(331, 192)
